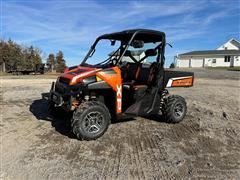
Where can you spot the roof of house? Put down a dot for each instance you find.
(211, 52)
(232, 41)
(235, 43)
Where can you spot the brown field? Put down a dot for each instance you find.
(206, 145)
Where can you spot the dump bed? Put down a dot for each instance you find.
(178, 79)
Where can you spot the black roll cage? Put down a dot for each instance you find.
(160, 48)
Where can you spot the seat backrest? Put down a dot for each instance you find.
(143, 73)
(132, 71)
(137, 71)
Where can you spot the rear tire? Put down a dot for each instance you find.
(90, 120)
(175, 109)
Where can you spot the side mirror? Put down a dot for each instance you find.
(137, 44)
(169, 45)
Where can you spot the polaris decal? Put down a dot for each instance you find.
(180, 82)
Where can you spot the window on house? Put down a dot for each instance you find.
(227, 59)
(236, 57)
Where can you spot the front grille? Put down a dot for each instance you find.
(60, 88)
(64, 80)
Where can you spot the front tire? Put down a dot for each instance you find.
(175, 109)
(90, 120)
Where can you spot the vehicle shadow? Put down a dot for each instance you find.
(60, 120)
(158, 118)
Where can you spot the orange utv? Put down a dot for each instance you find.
(122, 76)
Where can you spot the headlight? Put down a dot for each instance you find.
(98, 78)
(89, 80)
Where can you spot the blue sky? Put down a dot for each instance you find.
(72, 26)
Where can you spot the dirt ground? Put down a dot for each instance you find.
(206, 145)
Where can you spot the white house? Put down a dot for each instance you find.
(227, 55)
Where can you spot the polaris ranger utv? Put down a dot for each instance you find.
(130, 82)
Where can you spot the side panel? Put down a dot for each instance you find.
(113, 77)
(178, 79)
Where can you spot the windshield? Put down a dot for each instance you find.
(107, 52)
(103, 52)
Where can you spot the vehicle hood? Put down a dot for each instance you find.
(78, 74)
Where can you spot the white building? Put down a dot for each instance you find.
(227, 55)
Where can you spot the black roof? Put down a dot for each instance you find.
(211, 52)
(146, 35)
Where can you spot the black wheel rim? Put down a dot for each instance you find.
(93, 122)
(178, 110)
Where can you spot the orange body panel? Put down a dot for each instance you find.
(115, 81)
(185, 82)
(112, 76)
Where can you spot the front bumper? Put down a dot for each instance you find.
(63, 94)
(56, 98)
(67, 90)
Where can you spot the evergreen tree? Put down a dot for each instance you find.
(61, 65)
(37, 57)
(172, 65)
(3, 55)
(51, 61)
(30, 58)
(14, 57)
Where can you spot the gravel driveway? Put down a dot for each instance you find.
(205, 145)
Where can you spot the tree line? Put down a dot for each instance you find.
(56, 62)
(15, 57)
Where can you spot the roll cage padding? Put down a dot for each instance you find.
(138, 71)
